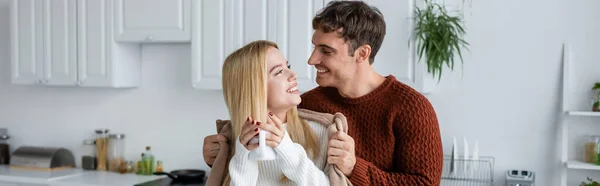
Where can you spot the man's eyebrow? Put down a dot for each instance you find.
(326, 46)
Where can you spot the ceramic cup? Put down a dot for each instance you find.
(263, 152)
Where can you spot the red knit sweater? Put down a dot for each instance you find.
(395, 130)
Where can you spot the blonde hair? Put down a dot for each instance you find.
(245, 93)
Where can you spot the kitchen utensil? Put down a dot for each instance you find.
(185, 175)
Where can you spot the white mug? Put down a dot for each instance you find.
(263, 152)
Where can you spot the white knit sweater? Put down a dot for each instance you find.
(292, 161)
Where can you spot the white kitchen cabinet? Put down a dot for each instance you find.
(26, 41)
(60, 42)
(220, 27)
(70, 43)
(102, 61)
(146, 21)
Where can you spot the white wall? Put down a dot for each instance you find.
(507, 97)
(509, 94)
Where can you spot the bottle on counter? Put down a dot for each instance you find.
(140, 166)
(148, 162)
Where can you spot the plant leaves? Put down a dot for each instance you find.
(439, 36)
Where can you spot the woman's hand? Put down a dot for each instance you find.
(249, 130)
(275, 127)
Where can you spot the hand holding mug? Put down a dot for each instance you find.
(249, 130)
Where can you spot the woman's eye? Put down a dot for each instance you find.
(279, 72)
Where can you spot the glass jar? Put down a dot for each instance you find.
(590, 149)
(131, 167)
(116, 152)
(4, 147)
(88, 160)
(159, 166)
(101, 149)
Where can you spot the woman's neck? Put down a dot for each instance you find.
(282, 116)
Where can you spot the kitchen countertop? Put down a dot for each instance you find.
(103, 178)
(8, 174)
(72, 177)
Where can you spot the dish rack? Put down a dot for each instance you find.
(468, 172)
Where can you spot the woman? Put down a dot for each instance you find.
(261, 94)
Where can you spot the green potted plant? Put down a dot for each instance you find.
(439, 37)
(590, 183)
(596, 98)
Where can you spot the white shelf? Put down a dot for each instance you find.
(583, 113)
(573, 164)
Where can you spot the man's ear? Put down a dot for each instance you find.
(363, 52)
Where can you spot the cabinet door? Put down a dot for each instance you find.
(209, 41)
(153, 20)
(294, 37)
(94, 48)
(222, 27)
(102, 62)
(60, 42)
(26, 41)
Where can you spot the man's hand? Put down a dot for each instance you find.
(211, 147)
(341, 152)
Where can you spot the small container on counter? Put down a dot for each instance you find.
(116, 153)
(131, 167)
(88, 160)
(101, 149)
(4, 147)
(590, 149)
(159, 166)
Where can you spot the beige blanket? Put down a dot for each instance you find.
(334, 123)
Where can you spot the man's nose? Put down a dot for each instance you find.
(313, 60)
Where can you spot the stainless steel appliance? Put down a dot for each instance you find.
(42, 158)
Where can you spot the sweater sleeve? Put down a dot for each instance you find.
(418, 154)
(242, 170)
(296, 165)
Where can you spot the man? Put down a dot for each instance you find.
(393, 136)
